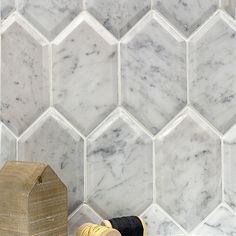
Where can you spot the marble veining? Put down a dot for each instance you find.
(119, 160)
(85, 78)
(230, 167)
(188, 170)
(6, 8)
(212, 73)
(118, 16)
(132, 103)
(7, 144)
(159, 224)
(24, 78)
(51, 141)
(222, 223)
(186, 15)
(50, 17)
(230, 7)
(84, 215)
(154, 87)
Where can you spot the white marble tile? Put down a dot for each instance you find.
(52, 142)
(6, 7)
(119, 168)
(230, 7)
(188, 170)
(212, 73)
(159, 224)
(222, 223)
(85, 78)
(186, 15)
(50, 17)
(84, 215)
(7, 146)
(24, 85)
(230, 167)
(118, 16)
(154, 85)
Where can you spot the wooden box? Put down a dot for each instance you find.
(33, 200)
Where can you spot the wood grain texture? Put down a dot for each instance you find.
(33, 200)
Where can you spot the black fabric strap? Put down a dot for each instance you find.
(128, 226)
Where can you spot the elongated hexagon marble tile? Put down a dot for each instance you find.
(158, 223)
(230, 167)
(84, 215)
(154, 85)
(221, 223)
(8, 146)
(25, 83)
(85, 78)
(186, 15)
(188, 170)
(212, 73)
(119, 169)
(118, 16)
(6, 7)
(52, 142)
(230, 7)
(50, 17)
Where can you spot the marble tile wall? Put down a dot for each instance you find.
(133, 104)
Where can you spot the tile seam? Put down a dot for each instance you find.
(222, 171)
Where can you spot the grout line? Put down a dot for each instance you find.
(229, 208)
(152, 4)
(167, 26)
(222, 170)
(113, 115)
(187, 72)
(135, 26)
(154, 171)
(83, 5)
(119, 74)
(172, 219)
(50, 53)
(55, 113)
(137, 123)
(169, 124)
(205, 220)
(72, 214)
(220, 3)
(17, 5)
(204, 25)
(85, 172)
(33, 125)
(206, 121)
(17, 150)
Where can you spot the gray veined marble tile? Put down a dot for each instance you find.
(6, 7)
(159, 224)
(84, 215)
(188, 170)
(186, 15)
(85, 78)
(212, 73)
(222, 223)
(230, 7)
(154, 85)
(7, 146)
(52, 142)
(50, 17)
(25, 84)
(118, 16)
(119, 170)
(230, 167)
